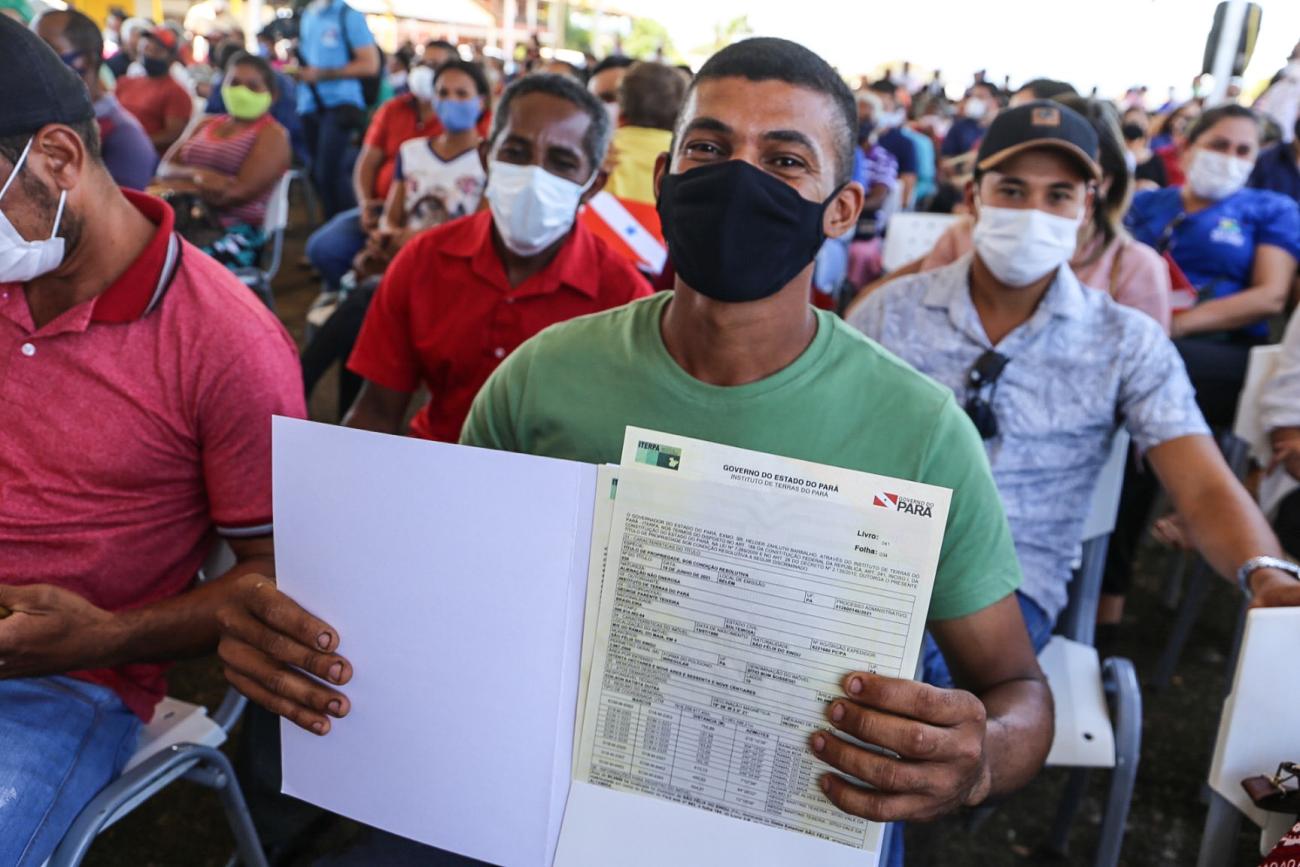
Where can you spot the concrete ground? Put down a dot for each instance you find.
(184, 827)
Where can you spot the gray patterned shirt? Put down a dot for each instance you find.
(1080, 367)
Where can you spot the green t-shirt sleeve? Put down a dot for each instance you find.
(493, 420)
(977, 564)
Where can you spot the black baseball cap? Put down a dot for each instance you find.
(1042, 123)
(36, 86)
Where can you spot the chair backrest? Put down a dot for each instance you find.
(1263, 364)
(1104, 506)
(911, 235)
(277, 207)
(1079, 620)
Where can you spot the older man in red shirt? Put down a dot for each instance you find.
(459, 298)
(137, 382)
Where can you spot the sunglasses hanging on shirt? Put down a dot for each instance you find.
(984, 374)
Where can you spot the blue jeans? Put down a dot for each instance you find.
(831, 266)
(333, 246)
(61, 741)
(935, 671)
(332, 156)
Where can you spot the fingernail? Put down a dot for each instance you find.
(323, 640)
(336, 672)
(837, 712)
(855, 685)
(335, 707)
(318, 727)
(818, 743)
(826, 784)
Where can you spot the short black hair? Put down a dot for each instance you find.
(1212, 116)
(884, 85)
(767, 58)
(243, 58)
(651, 95)
(595, 143)
(83, 35)
(475, 72)
(440, 43)
(993, 89)
(1048, 88)
(614, 61)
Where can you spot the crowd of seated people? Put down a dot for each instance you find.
(492, 238)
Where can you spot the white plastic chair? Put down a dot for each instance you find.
(274, 223)
(1248, 440)
(1257, 730)
(182, 741)
(912, 235)
(1098, 703)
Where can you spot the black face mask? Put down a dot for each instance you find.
(735, 233)
(155, 68)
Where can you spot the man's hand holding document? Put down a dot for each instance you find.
(677, 660)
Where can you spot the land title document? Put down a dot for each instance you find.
(738, 589)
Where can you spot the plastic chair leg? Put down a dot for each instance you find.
(1174, 581)
(1222, 824)
(1198, 588)
(205, 765)
(1058, 838)
(247, 845)
(1121, 684)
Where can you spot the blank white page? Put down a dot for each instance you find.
(456, 578)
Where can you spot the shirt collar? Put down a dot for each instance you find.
(136, 291)
(573, 265)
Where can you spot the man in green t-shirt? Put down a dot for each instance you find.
(759, 177)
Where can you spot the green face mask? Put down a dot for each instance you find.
(243, 103)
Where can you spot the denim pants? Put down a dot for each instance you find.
(61, 741)
(333, 246)
(332, 156)
(935, 672)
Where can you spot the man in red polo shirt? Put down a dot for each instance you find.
(459, 298)
(333, 246)
(137, 382)
(156, 99)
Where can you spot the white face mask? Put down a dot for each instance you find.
(1021, 245)
(892, 119)
(1216, 176)
(419, 82)
(975, 109)
(531, 208)
(22, 260)
(611, 109)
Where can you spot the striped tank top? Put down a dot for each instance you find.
(207, 150)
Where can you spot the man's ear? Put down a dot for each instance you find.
(661, 169)
(969, 199)
(61, 152)
(596, 186)
(841, 215)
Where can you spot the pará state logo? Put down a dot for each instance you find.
(895, 503)
(1228, 232)
(658, 456)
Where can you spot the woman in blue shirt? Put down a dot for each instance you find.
(1238, 247)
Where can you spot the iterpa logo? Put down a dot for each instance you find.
(658, 456)
(895, 503)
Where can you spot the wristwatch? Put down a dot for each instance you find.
(1254, 564)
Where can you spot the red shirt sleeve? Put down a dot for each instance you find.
(262, 379)
(377, 132)
(384, 353)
